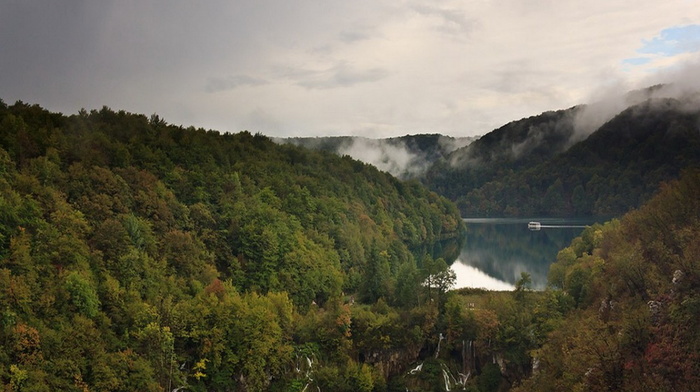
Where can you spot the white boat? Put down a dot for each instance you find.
(534, 226)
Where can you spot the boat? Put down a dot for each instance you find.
(534, 226)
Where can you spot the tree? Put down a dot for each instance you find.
(376, 283)
(522, 285)
(83, 294)
(438, 278)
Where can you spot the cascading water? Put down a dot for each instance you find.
(468, 358)
(305, 366)
(451, 382)
(416, 369)
(437, 352)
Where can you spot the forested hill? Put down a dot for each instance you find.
(137, 255)
(535, 166)
(510, 148)
(405, 157)
(636, 287)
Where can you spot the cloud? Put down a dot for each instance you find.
(402, 157)
(452, 66)
(338, 76)
(449, 20)
(215, 85)
(681, 82)
(392, 157)
(350, 36)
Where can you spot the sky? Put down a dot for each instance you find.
(373, 68)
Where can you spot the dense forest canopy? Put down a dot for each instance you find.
(137, 255)
(636, 285)
(539, 167)
(141, 256)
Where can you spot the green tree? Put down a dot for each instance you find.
(438, 279)
(83, 294)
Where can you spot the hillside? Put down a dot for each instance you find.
(138, 255)
(535, 167)
(513, 147)
(619, 313)
(405, 157)
(636, 285)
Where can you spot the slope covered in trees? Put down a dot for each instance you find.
(137, 255)
(406, 157)
(619, 314)
(514, 146)
(535, 167)
(636, 285)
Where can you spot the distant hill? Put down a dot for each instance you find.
(510, 148)
(404, 157)
(547, 164)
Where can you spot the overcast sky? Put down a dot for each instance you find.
(373, 68)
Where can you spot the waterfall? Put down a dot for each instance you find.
(437, 352)
(446, 375)
(307, 368)
(468, 358)
(446, 378)
(535, 365)
(450, 380)
(417, 369)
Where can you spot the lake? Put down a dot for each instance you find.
(497, 250)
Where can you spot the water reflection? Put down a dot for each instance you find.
(468, 276)
(496, 251)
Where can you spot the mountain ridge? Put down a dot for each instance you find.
(612, 170)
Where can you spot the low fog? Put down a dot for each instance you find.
(403, 157)
(551, 133)
(396, 157)
(681, 83)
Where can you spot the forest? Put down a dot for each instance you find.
(635, 283)
(136, 255)
(540, 166)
